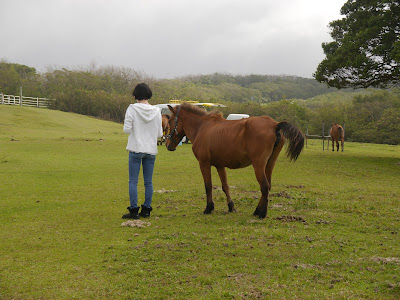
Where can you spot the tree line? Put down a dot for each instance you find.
(105, 92)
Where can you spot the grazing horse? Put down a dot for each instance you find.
(165, 127)
(337, 134)
(234, 144)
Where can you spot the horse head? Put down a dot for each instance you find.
(176, 132)
(165, 124)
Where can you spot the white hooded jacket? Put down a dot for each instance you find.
(143, 124)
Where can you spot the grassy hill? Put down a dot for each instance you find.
(332, 229)
(33, 123)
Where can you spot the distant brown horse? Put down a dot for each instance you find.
(165, 127)
(337, 134)
(234, 144)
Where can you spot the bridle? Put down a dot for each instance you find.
(175, 130)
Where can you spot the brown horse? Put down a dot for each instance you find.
(234, 144)
(337, 134)
(165, 127)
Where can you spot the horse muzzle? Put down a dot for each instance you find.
(171, 148)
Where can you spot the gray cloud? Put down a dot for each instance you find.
(169, 38)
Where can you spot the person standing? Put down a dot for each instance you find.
(143, 124)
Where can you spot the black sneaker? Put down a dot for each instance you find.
(133, 213)
(145, 212)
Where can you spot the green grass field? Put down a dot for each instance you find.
(332, 229)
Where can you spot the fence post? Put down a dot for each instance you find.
(37, 103)
(323, 135)
(344, 129)
(20, 95)
(2, 98)
(306, 135)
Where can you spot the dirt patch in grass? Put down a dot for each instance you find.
(295, 186)
(291, 219)
(386, 260)
(164, 191)
(282, 194)
(320, 221)
(306, 266)
(135, 223)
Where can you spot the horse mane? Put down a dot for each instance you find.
(200, 112)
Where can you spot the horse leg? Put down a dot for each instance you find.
(333, 144)
(262, 206)
(342, 142)
(337, 145)
(206, 172)
(272, 160)
(225, 188)
(268, 171)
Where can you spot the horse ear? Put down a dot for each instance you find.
(170, 108)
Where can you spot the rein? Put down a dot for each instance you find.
(175, 130)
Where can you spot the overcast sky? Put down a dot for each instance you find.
(169, 38)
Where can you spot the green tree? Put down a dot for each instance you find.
(366, 47)
(375, 118)
(10, 81)
(13, 75)
(291, 111)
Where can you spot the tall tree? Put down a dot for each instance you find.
(366, 47)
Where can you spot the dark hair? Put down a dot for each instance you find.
(142, 92)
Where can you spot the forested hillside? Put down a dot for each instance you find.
(120, 81)
(105, 92)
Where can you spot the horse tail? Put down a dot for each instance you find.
(295, 137)
(340, 132)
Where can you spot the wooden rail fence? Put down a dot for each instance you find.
(25, 101)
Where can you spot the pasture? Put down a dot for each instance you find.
(332, 228)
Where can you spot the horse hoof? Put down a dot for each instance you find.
(262, 214)
(209, 209)
(231, 207)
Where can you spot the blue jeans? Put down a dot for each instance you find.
(135, 160)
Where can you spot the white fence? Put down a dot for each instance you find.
(25, 101)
